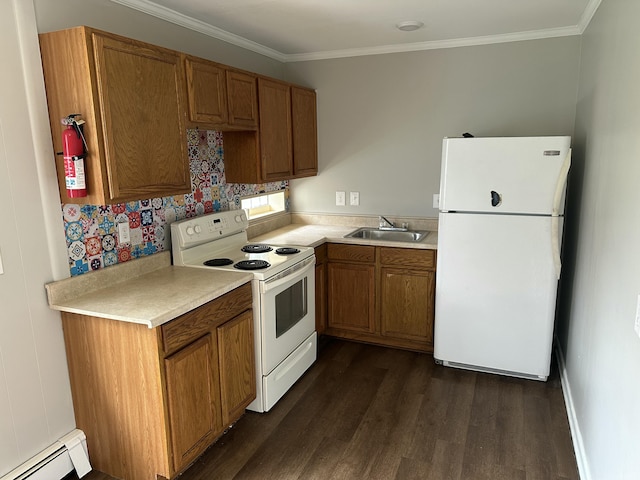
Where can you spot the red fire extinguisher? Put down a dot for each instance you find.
(73, 150)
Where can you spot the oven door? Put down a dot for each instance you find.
(287, 311)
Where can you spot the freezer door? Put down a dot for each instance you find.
(504, 175)
(495, 293)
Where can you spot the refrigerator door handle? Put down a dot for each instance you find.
(496, 199)
(555, 212)
(560, 184)
(555, 245)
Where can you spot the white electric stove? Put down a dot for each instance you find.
(283, 288)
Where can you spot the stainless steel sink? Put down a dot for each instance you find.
(369, 233)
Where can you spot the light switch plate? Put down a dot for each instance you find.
(354, 198)
(1, 267)
(124, 235)
(340, 199)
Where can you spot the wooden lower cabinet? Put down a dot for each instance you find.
(150, 401)
(321, 288)
(381, 295)
(192, 394)
(237, 366)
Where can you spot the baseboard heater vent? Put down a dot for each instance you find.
(55, 462)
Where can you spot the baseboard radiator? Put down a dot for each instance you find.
(55, 462)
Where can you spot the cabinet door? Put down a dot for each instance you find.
(305, 138)
(242, 97)
(407, 302)
(142, 97)
(207, 91)
(193, 398)
(351, 293)
(237, 366)
(276, 152)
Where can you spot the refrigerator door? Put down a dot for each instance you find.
(496, 293)
(504, 175)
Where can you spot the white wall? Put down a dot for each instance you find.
(603, 243)
(381, 118)
(35, 398)
(112, 17)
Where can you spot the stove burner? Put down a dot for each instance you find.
(256, 248)
(218, 262)
(252, 265)
(287, 251)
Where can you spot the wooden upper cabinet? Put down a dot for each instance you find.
(305, 136)
(242, 96)
(132, 97)
(220, 97)
(207, 91)
(286, 144)
(274, 99)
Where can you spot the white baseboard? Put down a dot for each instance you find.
(576, 435)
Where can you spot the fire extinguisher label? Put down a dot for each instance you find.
(74, 173)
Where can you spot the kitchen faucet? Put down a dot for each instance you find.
(385, 224)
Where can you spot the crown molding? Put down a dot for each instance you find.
(164, 13)
(587, 15)
(434, 45)
(177, 18)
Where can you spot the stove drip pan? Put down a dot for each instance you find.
(287, 251)
(218, 262)
(256, 248)
(252, 265)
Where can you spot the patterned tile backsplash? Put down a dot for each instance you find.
(91, 230)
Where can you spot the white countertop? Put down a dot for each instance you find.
(315, 235)
(137, 295)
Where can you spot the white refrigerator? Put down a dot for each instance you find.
(499, 242)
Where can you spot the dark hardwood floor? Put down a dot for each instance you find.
(366, 412)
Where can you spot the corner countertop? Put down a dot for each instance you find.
(149, 291)
(315, 235)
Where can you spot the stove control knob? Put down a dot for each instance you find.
(198, 229)
(190, 230)
(239, 218)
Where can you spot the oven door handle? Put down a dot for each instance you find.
(290, 275)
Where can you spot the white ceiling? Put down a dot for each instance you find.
(293, 30)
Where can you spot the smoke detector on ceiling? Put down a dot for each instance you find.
(409, 25)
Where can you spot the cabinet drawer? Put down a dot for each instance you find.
(352, 253)
(194, 324)
(408, 257)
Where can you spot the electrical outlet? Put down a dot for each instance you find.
(124, 235)
(637, 322)
(354, 198)
(340, 199)
(436, 200)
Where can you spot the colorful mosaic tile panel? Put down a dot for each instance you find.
(91, 230)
